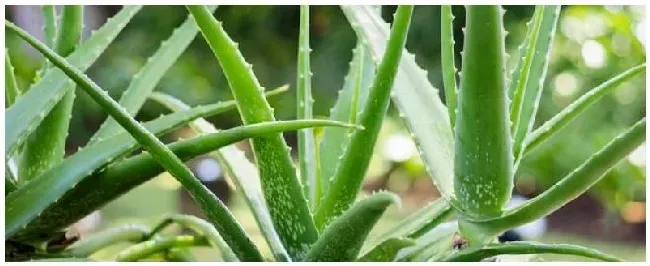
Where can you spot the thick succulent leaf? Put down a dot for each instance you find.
(10, 181)
(418, 223)
(12, 91)
(414, 96)
(306, 140)
(214, 208)
(531, 85)
(355, 87)
(179, 255)
(447, 60)
(49, 33)
(57, 180)
(483, 163)
(145, 81)
(352, 169)
(282, 190)
(343, 238)
(434, 244)
(525, 247)
(45, 147)
(570, 187)
(30, 109)
(244, 173)
(97, 241)
(559, 121)
(200, 227)
(121, 177)
(154, 246)
(387, 250)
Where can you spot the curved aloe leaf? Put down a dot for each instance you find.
(356, 157)
(12, 91)
(201, 227)
(30, 109)
(306, 140)
(97, 241)
(49, 32)
(242, 171)
(564, 191)
(355, 86)
(121, 177)
(57, 180)
(10, 181)
(342, 239)
(530, 87)
(559, 121)
(492, 250)
(414, 96)
(45, 147)
(154, 246)
(145, 81)
(483, 165)
(387, 250)
(447, 58)
(214, 208)
(287, 204)
(432, 245)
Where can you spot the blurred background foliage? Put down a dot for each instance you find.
(591, 45)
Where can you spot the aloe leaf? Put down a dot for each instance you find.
(49, 32)
(154, 246)
(343, 238)
(447, 59)
(355, 87)
(97, 241)
(10, 181)
(214, 208)
(145, 81)
(12, 91)
(414, 96)
(356, 157)
(387, 250)
(564, 191)
(179, 255)
(432, 245)
(559, 121)
(531, 86)
(45, 146)
(57, 180)
(121, 177)
(282, 190)
(525, 247)
(306, 140)
(30, 109)
(66, 259)
(242, 171)
(201, 227)
(483, 165)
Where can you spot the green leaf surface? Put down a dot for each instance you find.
(431, 246)
(49, 33)
(282, 190)
(97, 241)
(12, 91)
(525, 247)
(145, 81)
(154, 246)
(387, 250)
(45, 147)
(531, 77)
(414, 96)
(343, 238)
(10, 181)
(32, 107)
(559, 121)
(483, 163)
(214, 208)
(447, 61)
(244, 173)
(356, 157)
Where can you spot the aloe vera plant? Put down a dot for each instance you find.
(472, 146)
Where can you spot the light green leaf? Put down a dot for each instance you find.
(282, 190)
(242, 171)
(434, 244)
(154, 246)
(387, 250)
(414, 96)
(31, 108)
(49, 33)
(447, 61)
(97, 241)
(342, 239)
(352, 169)
(145, 81)
(492, 250)
(12, 91)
